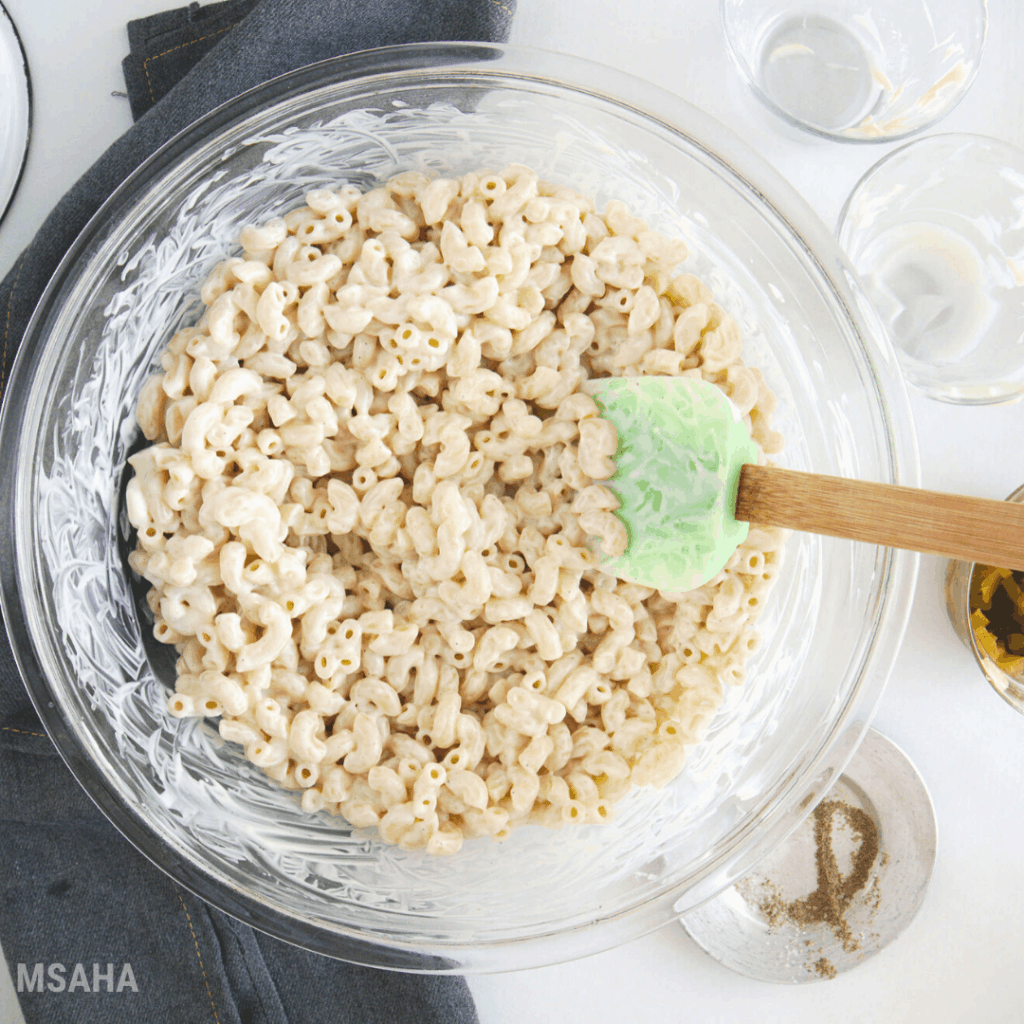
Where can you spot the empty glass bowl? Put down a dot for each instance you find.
(936, 230)
(854, 71)
(191, 802)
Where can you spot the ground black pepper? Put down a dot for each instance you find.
(830, 901)
(835, 892)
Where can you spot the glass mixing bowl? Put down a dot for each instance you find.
(189, 801)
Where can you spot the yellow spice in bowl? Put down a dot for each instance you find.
(996, 603)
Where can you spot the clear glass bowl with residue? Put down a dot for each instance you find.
(936, 231)
(854, 71)
(191, 802)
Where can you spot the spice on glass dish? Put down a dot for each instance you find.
(835, 893)
(846, 883)
(996, 603)
(823, 966)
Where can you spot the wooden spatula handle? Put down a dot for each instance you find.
(975, 529)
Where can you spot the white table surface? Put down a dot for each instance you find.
(962, 959)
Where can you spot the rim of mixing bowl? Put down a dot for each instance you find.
(818, 766)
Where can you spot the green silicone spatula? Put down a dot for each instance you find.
(688, 486)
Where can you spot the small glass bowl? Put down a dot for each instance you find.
(846, 70)
(958, 601)
(936, 233)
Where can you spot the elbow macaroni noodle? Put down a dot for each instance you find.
(370, 512)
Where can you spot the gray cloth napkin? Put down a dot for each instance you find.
(77, 901)
(164, 48)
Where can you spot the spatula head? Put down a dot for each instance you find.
(681, 446)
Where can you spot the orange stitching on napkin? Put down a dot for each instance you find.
(180, 46)
(24, 732)
(7, 325)
(198, 954)
(502, 6)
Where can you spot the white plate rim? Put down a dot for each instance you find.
(10, 40)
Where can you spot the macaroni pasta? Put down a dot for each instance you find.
(373, 507)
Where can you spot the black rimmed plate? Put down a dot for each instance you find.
(15, 110)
